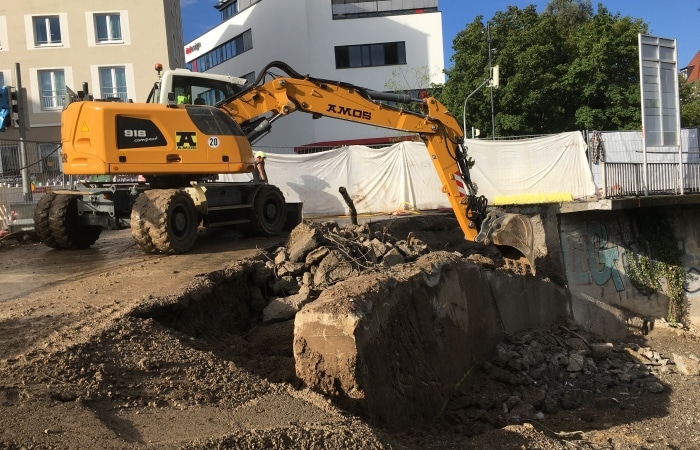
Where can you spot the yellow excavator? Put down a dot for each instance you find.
(179, 149)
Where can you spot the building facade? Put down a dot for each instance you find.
(385, 45)
(113, 46)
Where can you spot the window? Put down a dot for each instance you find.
(353, 9)
(209, 91)
(9, 164)
(52, 85)
(47, 30)
(113, 83)
(370, 55)
(108, 27)
(241, 43)
(229, 11)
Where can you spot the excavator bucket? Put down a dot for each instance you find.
(513, 235)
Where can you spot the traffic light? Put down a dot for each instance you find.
(5, 108)
(14, 102)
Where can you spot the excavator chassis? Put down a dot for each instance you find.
(161, 220)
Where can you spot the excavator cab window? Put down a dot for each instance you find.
(205, 91)
(182, 95)
(213, 122)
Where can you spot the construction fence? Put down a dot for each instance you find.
(620, 167)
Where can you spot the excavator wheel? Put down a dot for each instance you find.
(269, 212)
(140, 227)
(65, 225)
(41, 220)
(171, 219)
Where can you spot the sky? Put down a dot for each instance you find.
(672, 19)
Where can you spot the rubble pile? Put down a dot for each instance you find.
(536, 373)
(319, 255)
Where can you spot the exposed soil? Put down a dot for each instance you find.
(84, 365)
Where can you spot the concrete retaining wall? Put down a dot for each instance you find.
(596, 248)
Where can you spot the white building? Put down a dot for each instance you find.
(383, 45)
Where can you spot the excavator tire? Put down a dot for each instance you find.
(172, 219)
(269, 212)
(41, 220)
(66, 227)
(140, 227)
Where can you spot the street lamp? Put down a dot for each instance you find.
(493, 82)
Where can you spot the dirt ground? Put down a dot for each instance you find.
(81, 366)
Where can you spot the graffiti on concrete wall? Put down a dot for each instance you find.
(692, 281)
(589, 257)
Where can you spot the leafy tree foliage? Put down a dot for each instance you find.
(690, 103)
(567, 68)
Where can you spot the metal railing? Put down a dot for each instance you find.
(627, 179)
(622, 172)
(54, 101)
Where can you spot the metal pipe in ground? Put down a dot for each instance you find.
(349, 202)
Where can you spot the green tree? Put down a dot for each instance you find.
(690, 103)
(603, 75)
(570, 13)
(564, 69)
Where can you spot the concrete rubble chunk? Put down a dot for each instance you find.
(392, 258)
(285, 308)
(576, 362)
(316, 255)
(333, 268)
(302, 239)
(290, 269)
(654, 387)
(686, 366)
(281, 256)
(377, 247)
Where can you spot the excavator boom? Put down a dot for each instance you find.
(257, 107)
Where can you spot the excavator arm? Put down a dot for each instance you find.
(258, 106)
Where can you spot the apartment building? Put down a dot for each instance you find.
(384, 45)
(59, 45)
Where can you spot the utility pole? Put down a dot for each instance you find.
(22, 113)
(493, 123)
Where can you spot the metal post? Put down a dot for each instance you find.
(493, 123)
(21, 113)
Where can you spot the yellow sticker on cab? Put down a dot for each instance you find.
(186, 140)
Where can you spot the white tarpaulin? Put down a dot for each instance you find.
(379, 181)
(541, 166)
(402, 177)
